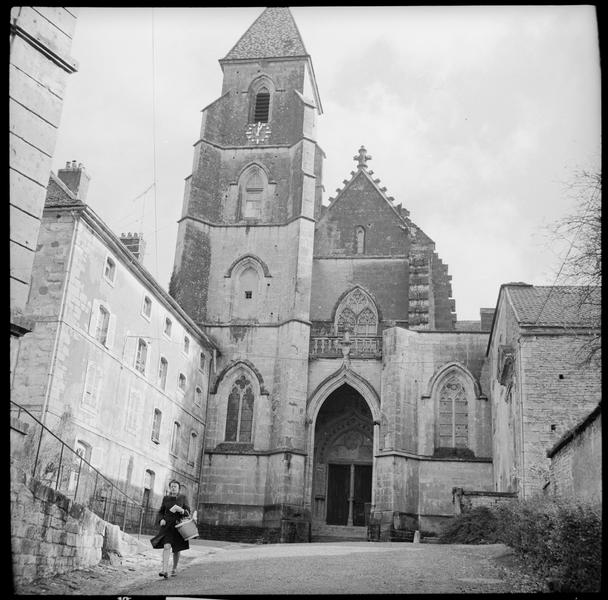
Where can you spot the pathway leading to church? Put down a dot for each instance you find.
(213, 568)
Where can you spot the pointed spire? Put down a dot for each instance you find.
(273, 34)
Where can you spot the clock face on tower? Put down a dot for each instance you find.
(258, 132)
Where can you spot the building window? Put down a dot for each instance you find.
(149, 477)
(357, 313)
(168, 326)
(146, 309)
(141, 357)
(453, 415)
(175, 438)
(198, 396)
(186, 345)
(254, 194)
(360, 240)
(83, 450)
(248, 294)
(162, 372)
(192, 448)
(103, 322)
(109, 271)
(92, 385)
(158, 416)
(133, 407)
(261, 110)
(201, 361)
(181, 382)
(239, 415)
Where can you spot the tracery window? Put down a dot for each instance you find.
(357, 314)
(239, 415)
(453, 414)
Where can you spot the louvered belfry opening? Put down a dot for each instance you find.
(262, 106)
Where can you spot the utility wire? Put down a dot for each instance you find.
(154, 145)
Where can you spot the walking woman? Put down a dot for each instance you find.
(173, 508)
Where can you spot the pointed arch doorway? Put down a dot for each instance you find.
(343, 459)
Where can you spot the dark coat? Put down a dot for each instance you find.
(167, 534)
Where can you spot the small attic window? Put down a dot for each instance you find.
(262, 106)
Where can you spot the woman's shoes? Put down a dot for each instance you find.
(164, 574)
(173, 572)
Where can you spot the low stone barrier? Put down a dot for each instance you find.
(50, 534)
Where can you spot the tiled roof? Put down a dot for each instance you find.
(274, 33)
(555, 305)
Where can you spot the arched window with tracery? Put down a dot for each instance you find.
(239, 414)
(357, 314)
(453, 417)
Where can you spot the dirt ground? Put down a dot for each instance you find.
(219, 568)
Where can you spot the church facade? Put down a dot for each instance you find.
(344, 389)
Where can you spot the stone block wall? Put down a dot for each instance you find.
(50, 534)
(576, 461)
(559, 393)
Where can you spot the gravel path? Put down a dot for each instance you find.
(219, 568)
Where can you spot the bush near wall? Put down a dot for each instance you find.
(559, 540)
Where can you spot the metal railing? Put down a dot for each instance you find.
(47, 458)
(360, 346)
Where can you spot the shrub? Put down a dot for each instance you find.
(477, 526)
(558, 539)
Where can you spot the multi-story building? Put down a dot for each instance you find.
(113, 366)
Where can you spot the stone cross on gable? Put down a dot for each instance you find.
(362, 157)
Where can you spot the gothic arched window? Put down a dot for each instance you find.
(360, 240)
(346, 321)
(357, 313)
(366, 323)
(261, 110)
(253, 193)
(239, 415)
(453, 414)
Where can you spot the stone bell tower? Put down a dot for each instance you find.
(243, 267)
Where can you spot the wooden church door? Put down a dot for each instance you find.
(338, 486)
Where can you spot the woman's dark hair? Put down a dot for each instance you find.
(179, 485)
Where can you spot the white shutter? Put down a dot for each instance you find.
(94, 317)
(111, 332)
(97, 458)
(98, 386)
(89, 385)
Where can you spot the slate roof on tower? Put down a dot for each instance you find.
(273, 34)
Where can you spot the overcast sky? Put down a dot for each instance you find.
(476, 119)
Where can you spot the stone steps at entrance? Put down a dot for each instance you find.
(334, 533)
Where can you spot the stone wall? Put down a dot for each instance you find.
(576, 461)
(50, 534)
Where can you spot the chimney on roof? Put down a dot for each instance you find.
(486, 315)
(75, 178)
(135, 243)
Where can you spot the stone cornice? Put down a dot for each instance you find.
(67, 64)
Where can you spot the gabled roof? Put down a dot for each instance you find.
(401, 213)
(555, 305)
(273, 34)
(58, 193)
